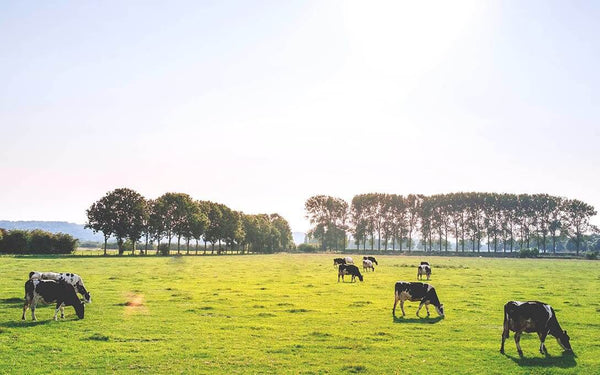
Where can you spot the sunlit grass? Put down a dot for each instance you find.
(288, 314)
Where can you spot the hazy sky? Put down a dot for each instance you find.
(261, 104)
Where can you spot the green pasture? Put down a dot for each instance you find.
(288, 314)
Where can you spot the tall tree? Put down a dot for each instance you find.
(328, 215)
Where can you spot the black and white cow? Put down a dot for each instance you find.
(70, 278)
(372, 259)
(50, 291)
(423, 269)
(368, 265)
(349, 269)
(417, 292)
(348, 260)
(338, 261)
(533, 316)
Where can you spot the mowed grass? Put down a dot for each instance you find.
(288, 314)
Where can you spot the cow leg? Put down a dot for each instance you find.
(419, 308)
(25, 306)
(542, 336)
(33, 312)
(58, 304)
(395, 303)
(427, 309)
(505, 335)
(517, 342)
(402, 306)
(62, 310)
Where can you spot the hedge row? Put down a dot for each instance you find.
(36, 242)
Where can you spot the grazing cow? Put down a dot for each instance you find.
(367, 264)
(349, 269)
(423, 269)
(49, 291)
(417, 292)
(69, 278)
(533, 316)
(424, 263)
(338, 261)
(348, 260)
(372, 259)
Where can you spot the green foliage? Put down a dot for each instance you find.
(591, 255)
(37, 242)
(306, 248)
(287, 314)
(164, 249)
(529, 253)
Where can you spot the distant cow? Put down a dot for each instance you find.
(349, 269)
(533, 316)
(70, 278)
(372, 259)
(367, 264)
(417, 292)
(349, 260)
(338, 261)
(423, 269)
(49, 291)
(424, 263)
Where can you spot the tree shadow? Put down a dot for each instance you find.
(565, 360)
(417, 320)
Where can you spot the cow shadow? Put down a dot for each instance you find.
(24, 323)
(416, 320)
(566, 360)
(12, 302)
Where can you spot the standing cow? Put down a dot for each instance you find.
(533, 316)
(423, 269)
(338, 261)
(372, 259)
(50, 291)
(349, 269)
(367, 264)
(69, 278)
(415, 291)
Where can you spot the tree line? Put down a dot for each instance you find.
(35, 242)
(127, 216)
(504, 222)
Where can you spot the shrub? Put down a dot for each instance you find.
(306, 248)
(15, 242)
(36, 242)
(592, 255)
(529, 253)
(163, 249)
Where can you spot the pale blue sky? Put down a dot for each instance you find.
(261, 104)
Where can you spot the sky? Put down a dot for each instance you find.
(261, 104)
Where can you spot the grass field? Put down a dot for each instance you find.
(288, 314)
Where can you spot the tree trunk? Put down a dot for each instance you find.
(105, 244)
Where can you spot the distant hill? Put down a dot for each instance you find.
(75, 230)
(298, 237)
(79, 232)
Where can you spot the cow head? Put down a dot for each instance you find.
(440, 310)
(360, 277)
(87, 297)
(79, 309)
(564, 341)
